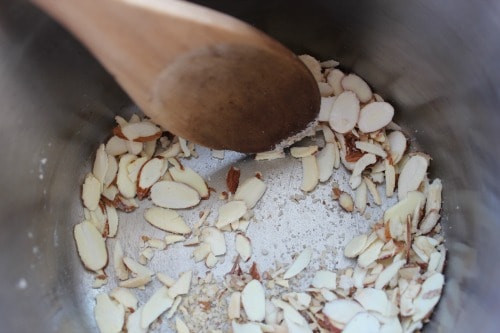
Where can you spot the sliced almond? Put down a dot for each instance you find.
(181, 326)
(412, 202)
(313, 65)
(362, 322)
(201, 252)
(372, 188)
(434, 196)
(134, 148)
(172, 239)
(326, 107)
(136, 282)
(134, 322)
(109, 194)
(254, 301)
(250, 191)
(429, 222)
(299, 264)
(346, 202)
(125, 297)
(245, 328)
(141, 131)
(389, 273)
(155, 306)
(135, 167)
(270, 155)
(243, 246)
(181, 286)
(233, 179)
(372, 299)
(165, 279)
(360, 197)
(109, 315)
(215, 238)
(151, 171)
(342, 310)
(111, 171)
(310, 173)
(412, 175)
(184, 147)
(357, 85)
(137, 268)
(230, 212)
(91, 192)
(390, 179)
(334, 79)
(397, 144)
(355, 181)
(325, 279)
(169, 194)
(233, 309)
(299, 152)
(375, 116)
(371, 254)
(345, 112)
(91, 246)
(189, 177)
(355, 246)
(126, 186)
(120, 269)
(116, 146)
(372, 148)
(112, 220)
(326, 161)
(100, 164)
(166, 219)
(428, 297)
(362, 163)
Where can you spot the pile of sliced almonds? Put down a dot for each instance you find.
(396, 280)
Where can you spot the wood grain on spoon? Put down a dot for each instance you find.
(200, 74)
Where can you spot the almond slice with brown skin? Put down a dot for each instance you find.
(125, 297)
(390, 178)
(111, 171)
(310, 173)
(334, 79)
(299, 264)
(100, 164)
(109, 315)
(169, 194)
(355, 246)
(375, 116)
(234, 306)
(112, 220)
(155, 306)
(191, 178)
(135, 167)
(428, 297)
(360, 197)
(389, 273)
(345, 112)
(166, 219)
(362, 163)
(357, 85)
(326, 161)
(230, 212)
(243, 246)
(346, 202)
(126, 186)
(233, 179)
(371, 254)
(372, 148)
(313, 65)
(141, 131)
(429, 222)
(215, 238)
(116, 146)
(151, 171)
(397, 145)
(253, 300)
(134, 148)
(91, 246)
(412, 175)
(413, 201)
(299, 152)
(342, 310)
(91, 192)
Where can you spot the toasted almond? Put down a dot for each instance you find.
(125, 297)
(112, 220)
(342, 310)
(169, 194)
(412, 175)
(345, 112)
(155, 306)
(434, 196)
(372, 148)
(91, 246)
(313, 65)
(325, 279)
(151, 171)
(137, 268)
(360, 197)
(326, 161)
(299, 264)
(334, 79)
(428, 297)
(357, 85)
(326, 107)
(189, 177)
(254, 301)
(389, 273)
(231, 212)
(372, 188)
(116, 146)
(109, 314)
(299, 152)
(310, 173)
(346, 202)
(136, 282)
(243, 246)
(245, 328)
(397, 144)
(250, 191)
(141, 131)
(91, 192)
(362, 322)
(371, 254)
(355, 246)
(126, 186)
(233, 179)
(375, 116)
(166, 219)
(181, 286)
(215, 238)
(362, 163)
(233, 309)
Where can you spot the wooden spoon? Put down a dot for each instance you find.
(200, 74)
